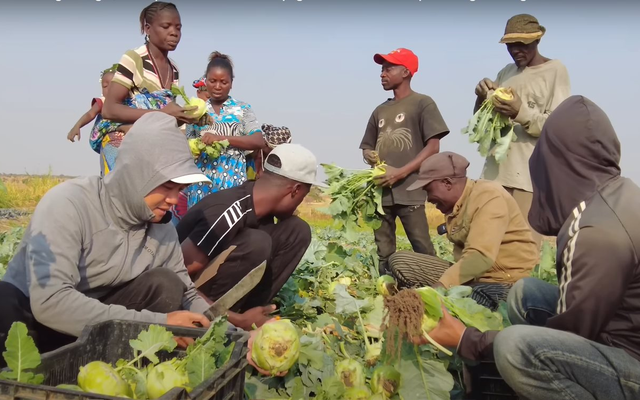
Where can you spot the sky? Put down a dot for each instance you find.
(305, 64)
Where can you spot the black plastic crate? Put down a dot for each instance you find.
(487, 384)
(109, 342)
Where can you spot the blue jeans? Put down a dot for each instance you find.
(547, 364)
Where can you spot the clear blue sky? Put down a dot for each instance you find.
(304, 64)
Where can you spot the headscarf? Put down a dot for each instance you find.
(112, 68)
(275, 136)
(200, 85)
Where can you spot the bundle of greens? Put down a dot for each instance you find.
(130, 378)
(200, 112)
(354, 196)
(491, 130)
(212, 150)
(545, 270)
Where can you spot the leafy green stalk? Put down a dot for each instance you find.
(179, 91)
(150, 342)
(21, 355)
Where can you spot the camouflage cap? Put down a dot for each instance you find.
(523, 28)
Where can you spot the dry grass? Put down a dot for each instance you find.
(311, 211)
(24, 192)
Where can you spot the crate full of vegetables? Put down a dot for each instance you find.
(126, 359)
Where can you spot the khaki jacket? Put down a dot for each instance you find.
(492, 242)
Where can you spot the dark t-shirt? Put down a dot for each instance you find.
(216, 219)
(398, 131)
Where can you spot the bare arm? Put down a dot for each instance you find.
(432, 147)
(89, 115)
(115, 111)
(250, 142)
(194, 259)
(84, 120)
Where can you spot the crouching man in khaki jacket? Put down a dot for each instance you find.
(493, 246)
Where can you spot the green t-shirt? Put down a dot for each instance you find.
(398, 131)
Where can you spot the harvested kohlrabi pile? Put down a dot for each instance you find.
(491, 130)
(354, 330)
(143, 377)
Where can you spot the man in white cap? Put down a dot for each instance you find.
(99, 249)
(235, 228)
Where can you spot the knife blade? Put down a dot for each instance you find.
(248, 282)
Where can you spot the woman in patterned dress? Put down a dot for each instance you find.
(233, 120)
(142, 82)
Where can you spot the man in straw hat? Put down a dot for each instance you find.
(402, 132)
(493, 246)
(539, 85)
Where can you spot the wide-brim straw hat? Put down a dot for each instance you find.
(522, 28)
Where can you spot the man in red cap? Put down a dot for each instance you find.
(402, 132)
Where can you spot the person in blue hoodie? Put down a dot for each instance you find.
(100, 249)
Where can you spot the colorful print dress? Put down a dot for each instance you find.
(236, 118)
(137, 73)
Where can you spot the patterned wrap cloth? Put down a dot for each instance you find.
(106, 135)
(273, 136)
(200, 85)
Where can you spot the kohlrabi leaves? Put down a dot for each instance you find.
(152, 341)
(21, 356)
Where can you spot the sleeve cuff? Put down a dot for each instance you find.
(160, 318)
(476, 346)
(461, 339)
(199, 305)
(448, 281)
(97, 100)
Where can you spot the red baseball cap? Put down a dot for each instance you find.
(401, 56)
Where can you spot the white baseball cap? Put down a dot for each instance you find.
(191, 178)
(293, 161)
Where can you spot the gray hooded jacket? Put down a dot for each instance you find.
(90, 235)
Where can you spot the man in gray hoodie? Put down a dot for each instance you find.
(99, 249)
